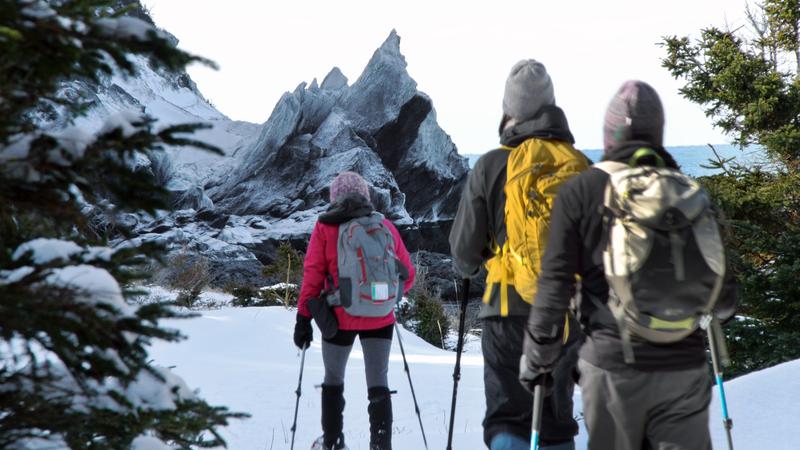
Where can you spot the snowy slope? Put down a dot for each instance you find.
(764, 408)
(244, 358)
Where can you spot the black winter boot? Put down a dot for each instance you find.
(380, 418)
(332, 407)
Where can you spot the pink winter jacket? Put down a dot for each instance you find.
(321, 261)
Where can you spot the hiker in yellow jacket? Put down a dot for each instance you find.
(503, 222)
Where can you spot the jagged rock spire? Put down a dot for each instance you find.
(381, 127)
(334, 80)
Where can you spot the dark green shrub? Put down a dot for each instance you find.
(244, 296)
(278, 295)
(287, 266)
(423, 313)
(281, 294)
(189, 298)
(288, 269)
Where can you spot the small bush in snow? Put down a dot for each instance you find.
(278, 295)
(246, 296)
(287, 266)
(423, 313)
(186, 272)
(188, 299)
(281, 294)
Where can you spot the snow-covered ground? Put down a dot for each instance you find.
(244, 358)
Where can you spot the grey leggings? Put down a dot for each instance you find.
(376, 345)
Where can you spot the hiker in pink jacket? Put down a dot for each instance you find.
(349, 195)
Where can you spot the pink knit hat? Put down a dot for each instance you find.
(346, 183)
(635, 113)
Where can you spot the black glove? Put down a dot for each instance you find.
(303, 333)
(531, 376)
(542, 353)
(538, 361)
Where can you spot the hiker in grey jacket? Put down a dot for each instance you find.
(661, 399)
(531, 121)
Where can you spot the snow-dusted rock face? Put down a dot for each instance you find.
(171, 98)
(381, 127)
(273, 179)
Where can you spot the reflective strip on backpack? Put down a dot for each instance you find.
(661, 324)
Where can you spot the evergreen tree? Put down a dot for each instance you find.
(748, 81)
(287, 266)
(74, 368)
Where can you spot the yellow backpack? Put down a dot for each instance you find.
(536, 170)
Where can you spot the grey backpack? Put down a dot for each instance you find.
(664, 260)
(370, 283)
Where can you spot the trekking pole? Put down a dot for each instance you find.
(457, 369)
(297, 403)
(713, 330)
(413, 395)
(536, 424)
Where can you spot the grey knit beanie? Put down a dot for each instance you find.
(347, 183)
(634, 114)
(528, 88)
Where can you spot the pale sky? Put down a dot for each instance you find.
(459, 52)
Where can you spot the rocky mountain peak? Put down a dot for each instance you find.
(334, 80)
(383, 87)
(381, 127)
(390, 50)
(274, 178)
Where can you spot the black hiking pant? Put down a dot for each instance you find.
(509, 407)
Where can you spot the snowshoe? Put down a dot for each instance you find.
(319, 444)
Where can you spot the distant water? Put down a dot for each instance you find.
(691, 158)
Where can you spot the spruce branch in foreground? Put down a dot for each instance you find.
(74, 365)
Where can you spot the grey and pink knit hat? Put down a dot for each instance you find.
(634, 114)
(347, 183)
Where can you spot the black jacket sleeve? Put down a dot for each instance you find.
(469, 237)
(560, 264)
